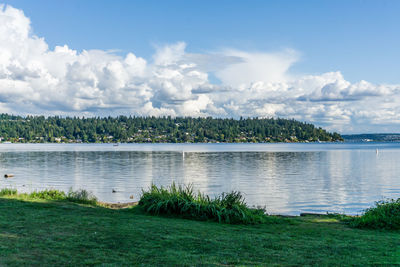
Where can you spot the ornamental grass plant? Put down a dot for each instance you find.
(182, 201)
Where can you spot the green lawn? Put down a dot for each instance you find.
(39, 232)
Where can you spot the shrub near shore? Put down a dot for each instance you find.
(384, 215)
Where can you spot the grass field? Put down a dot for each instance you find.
(48, 233)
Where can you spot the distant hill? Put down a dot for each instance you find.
(39, 129)
(378, 137)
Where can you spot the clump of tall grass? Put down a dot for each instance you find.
(8, 192)
(384, 215)
(183, 201)
(48, 194)
(81, 196)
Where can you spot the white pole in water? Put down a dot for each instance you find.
(183, 154)
(377, 152)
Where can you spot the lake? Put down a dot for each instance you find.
(283, 178)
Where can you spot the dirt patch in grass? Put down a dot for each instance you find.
(117, 206)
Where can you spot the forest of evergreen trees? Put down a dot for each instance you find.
(39, 129)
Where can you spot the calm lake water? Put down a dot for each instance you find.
(285, 178)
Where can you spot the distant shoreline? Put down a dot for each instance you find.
(376, 137)
(348, 141)
(113, 143)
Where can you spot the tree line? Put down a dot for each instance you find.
(157, 130)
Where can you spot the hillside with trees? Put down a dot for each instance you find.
(40, 129)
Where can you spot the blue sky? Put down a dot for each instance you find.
(359, 38)
(332, 63)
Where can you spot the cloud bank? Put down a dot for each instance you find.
(35, 79)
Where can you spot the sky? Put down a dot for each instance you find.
(331, 63)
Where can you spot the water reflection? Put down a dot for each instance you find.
(342, 179)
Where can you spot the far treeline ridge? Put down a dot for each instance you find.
(40, 129)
